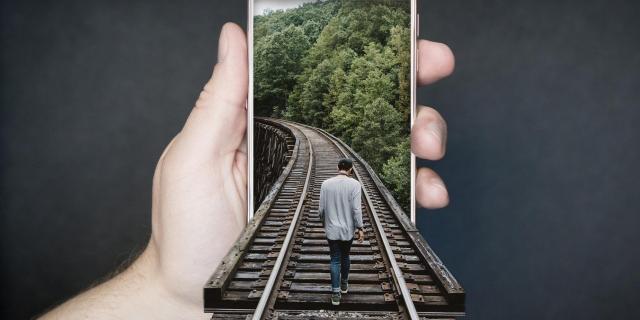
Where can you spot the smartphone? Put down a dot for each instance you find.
(345, 69)
(332, 93)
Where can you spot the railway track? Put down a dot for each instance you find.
(280, 267)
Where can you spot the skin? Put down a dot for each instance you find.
(199, 194)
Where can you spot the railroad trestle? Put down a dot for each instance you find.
(279, 268)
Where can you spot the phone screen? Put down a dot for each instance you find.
(336, 76)
(331, 104)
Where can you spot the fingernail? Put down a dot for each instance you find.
(437, 183)
(223, 44)
(437, 132)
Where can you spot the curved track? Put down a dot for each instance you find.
(280, 268)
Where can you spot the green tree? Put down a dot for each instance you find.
(311, 100)
(396, 173)
(377, 133)
(277, 63)
(342, 65)
(366, 81)
(398, 53)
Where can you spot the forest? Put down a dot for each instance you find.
(342, 65)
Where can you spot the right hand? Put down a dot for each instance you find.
(199, 198)
(200, 182)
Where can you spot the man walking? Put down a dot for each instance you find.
(340, 212)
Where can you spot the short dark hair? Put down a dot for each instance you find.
(345, 164)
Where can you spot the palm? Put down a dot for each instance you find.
(198, 211)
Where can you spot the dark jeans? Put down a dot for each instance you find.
(340, 262)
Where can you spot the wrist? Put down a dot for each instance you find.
(139, 290)
(154, 292)
(161, 288)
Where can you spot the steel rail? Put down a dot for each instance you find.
(266, 293)
(397, 273)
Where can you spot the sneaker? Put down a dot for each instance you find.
(335, 299)
(344, 287)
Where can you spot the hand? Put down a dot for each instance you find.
(360, 235)
(429, 132)
(199, 194)
(200, 182)
(198, 205)
(199, 199)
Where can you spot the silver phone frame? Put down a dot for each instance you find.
(414, 68)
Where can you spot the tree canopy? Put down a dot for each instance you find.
(342, 65)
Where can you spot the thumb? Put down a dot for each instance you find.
(217, 122)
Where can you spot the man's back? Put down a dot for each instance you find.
(340, 207)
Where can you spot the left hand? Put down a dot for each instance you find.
(429, 132)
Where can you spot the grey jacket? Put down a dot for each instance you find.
(340, 207)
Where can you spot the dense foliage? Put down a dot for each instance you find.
(342, 65)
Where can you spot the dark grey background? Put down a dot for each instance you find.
(543, 145)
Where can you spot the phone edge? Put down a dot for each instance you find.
(249, 104)
(250, 113)
(414, 74)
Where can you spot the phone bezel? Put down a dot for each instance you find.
(414, 68)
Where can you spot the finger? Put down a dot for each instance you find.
(217, 122)
(435, 61)
(431, 192)
(429, 134)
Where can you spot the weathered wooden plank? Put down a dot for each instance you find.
(414, 268)
(314, 266)
(255, 257)
(348, 301)
(229, 316)
(246, 275)
(246, 285)
(326, 287)
(326, 277)
(429, 300)
(323, 242)
(429, 289)
(269, 240)
(254, 265)
(334, 315)
(231, 296)
(321, 249)
(421, 278)
(326, 258)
